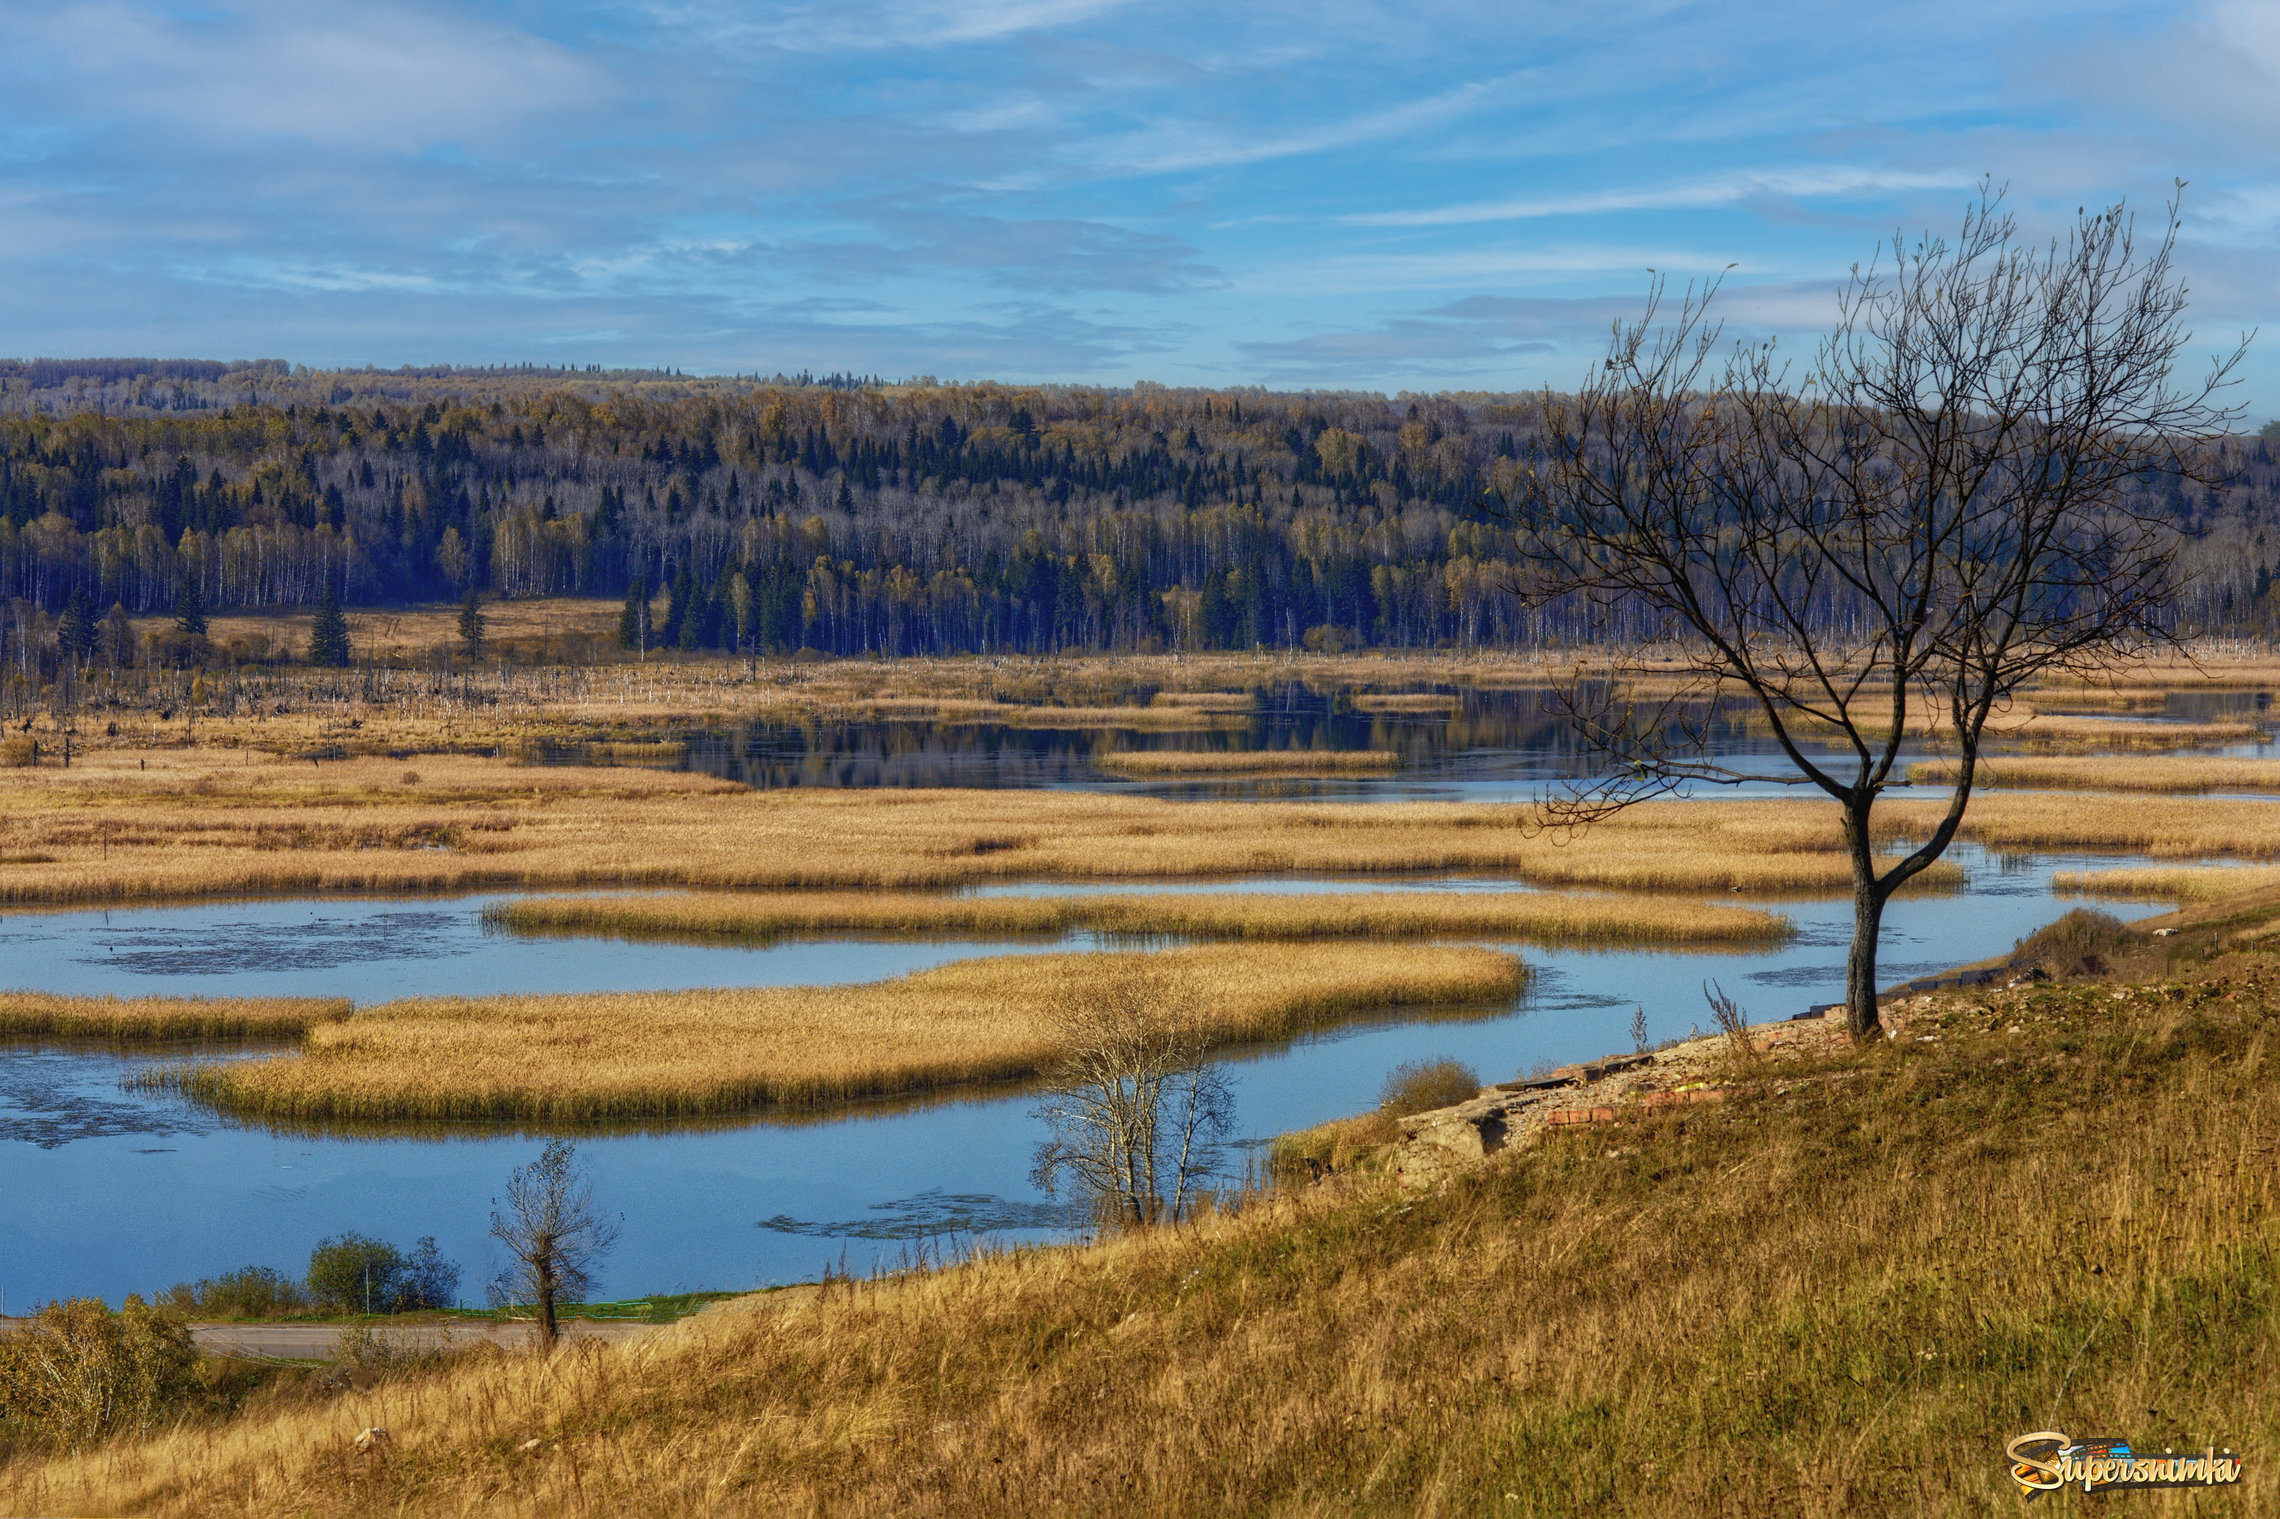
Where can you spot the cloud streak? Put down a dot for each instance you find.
(1340, 192)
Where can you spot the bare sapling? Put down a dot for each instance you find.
(554, 1235)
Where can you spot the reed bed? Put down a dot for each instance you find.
(2180, 774)
(198, 823)
(1538, 917)
(2166, 883)
(669, 1054)
(36, 1015)
(2169, 827)
(2110, 733)
(1154, 762)
(2067, 1230)
(1408, 701)
(1207, 701)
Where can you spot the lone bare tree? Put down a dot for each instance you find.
(1138, 1112)
(554, 1233)
(1952, 498)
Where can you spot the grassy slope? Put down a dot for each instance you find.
(1839, 1295)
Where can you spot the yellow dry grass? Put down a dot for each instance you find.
(669, 1054)
(1410, 701)
(2170, 827)
(1157, 762)
(1838, 1293)
(201, 823)
(2166, 883)
(2172, 773)
(25, 1015)
(1539, 917)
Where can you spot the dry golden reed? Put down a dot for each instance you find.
(2172, 773)
(1545, 917)
(669, 1054)
(1153, 762)
(198, 823)
(1838, 1295)
(42, 1015)
(2166, 883)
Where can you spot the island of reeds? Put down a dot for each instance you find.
(43, 1015)
(1538, 917)
(1148, 763)
(673, 1054)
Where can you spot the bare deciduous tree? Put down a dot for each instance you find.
(554, 1233)
(1138, 1113)
(1940, 508)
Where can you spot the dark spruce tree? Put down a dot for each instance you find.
(75, 630)
(328, 635)
(190, 605)
(633, 622)
(471, 625)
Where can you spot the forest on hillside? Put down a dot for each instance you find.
(846, 515)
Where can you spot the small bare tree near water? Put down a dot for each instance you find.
(554, 1234)
(1138, 1114)
(1957, 495)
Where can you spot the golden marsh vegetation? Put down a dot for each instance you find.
(1837, 1293)
(26, 1015)
(1549, 917)
(693, 1053)
(183, 824)
(1156, 762)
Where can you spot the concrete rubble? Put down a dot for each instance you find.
(1440, 1144)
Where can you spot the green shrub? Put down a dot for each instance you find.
(353, 1273)
(77, 1371)
(1419, 1086)
(255, 1292)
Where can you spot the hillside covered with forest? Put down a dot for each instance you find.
(851, 516)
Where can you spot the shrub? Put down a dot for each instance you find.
(77, 1371)
(427, 1280)
(1419, 1086)
(255, 1292)
(353, 1273)
(2079, 944)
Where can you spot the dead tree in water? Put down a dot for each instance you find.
(1138, 1112)
(1953, 499)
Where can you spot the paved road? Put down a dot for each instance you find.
(318, 1342)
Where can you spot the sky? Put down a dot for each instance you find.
(1334, 194)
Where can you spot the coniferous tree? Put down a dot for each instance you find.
(190, 605)
(633, 622)
(75, 630)
(471, 625)
(328, 635)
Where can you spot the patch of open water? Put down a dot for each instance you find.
(107, 1190)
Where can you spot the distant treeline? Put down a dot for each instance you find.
(840, 514)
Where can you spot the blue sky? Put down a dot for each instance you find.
(1328, 194)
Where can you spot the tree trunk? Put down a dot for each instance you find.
(1868, 920)
(546, 1325)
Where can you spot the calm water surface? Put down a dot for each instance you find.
(108, 1190)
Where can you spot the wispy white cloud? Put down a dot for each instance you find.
(1723, 188)
(368, 75)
